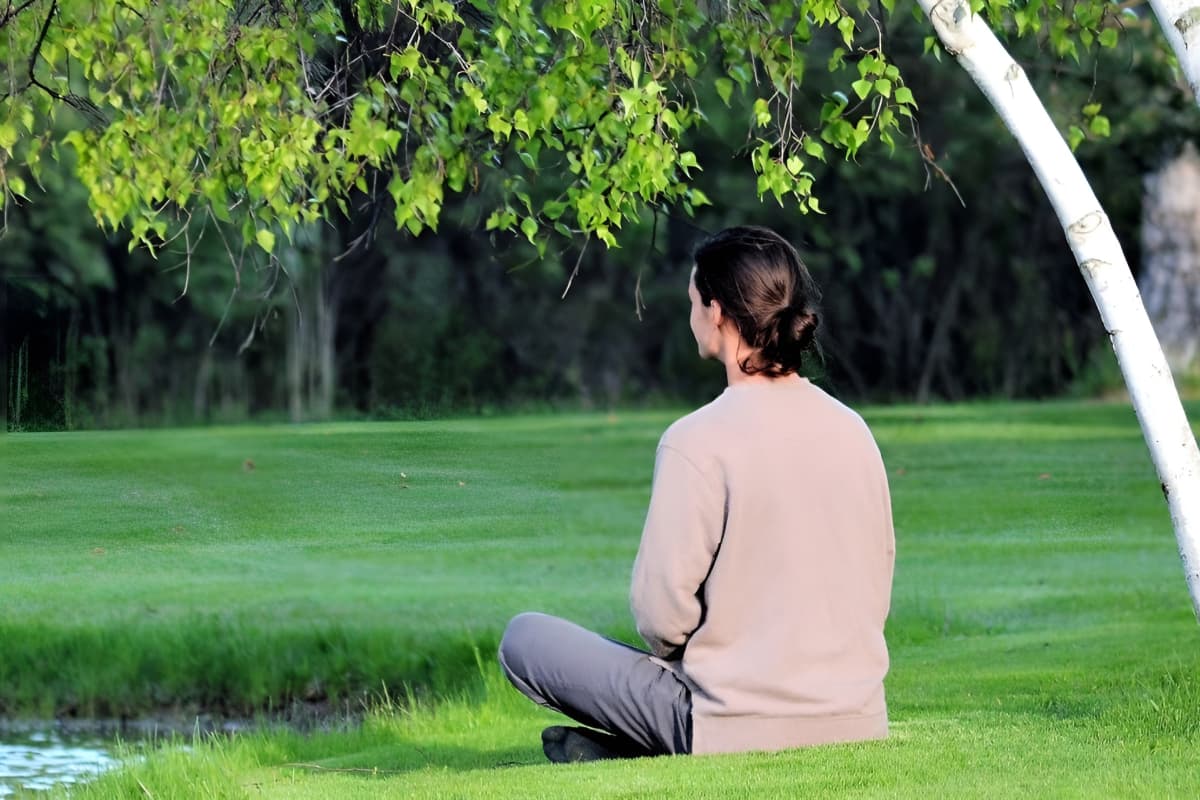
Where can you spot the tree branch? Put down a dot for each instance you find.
(575, 271)
(37, 47)
(11, 13)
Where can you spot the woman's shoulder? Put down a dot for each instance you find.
(702, 430)
(748, 413)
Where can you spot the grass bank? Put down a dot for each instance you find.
(1041, 635)
(239, 569)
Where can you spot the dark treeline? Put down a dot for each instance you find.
(925, 297)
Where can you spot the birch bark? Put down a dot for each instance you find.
(1101, 260)
(1180, 22)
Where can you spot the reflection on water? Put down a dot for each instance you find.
(40, 760)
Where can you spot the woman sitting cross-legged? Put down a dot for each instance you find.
(764, 574)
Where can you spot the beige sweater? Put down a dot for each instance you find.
(766, 564)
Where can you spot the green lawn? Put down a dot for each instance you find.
(1041, 634)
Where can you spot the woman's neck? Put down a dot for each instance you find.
(734, 352)
(735, 377)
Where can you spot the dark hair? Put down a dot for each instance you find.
(763, 286)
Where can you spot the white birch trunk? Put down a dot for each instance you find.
(1100, 258)
(1180, 22)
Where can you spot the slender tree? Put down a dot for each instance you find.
(1180, 22)
(1101, 260)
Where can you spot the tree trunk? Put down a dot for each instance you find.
(200, 391)
(1180, 22)
(121, 339)
(1171, 257)
(101, 368)
(1100, 258)
(71, 370)
(4, 352)
(295, 360)
(939, 341)
(326, 342)
(20, 383)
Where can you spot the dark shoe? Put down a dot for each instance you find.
(564, 745)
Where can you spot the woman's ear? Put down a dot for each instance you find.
(716, 314)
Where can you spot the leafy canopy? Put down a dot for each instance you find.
(564, 115)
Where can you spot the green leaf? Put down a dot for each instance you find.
(1075, 135)
(8, 136)
(1100, 126)
(724, 89)
(529, 227)
(884, 87)
(499, 126)
(265, 239)
(846, 26)
(406, 61)
(1091, 109)
(521, 122)
(1108, 37)
(862, 88)
(762, 112)
(814, 148)
(905, 95)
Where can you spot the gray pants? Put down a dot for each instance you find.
(598, 682)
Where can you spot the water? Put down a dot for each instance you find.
(44, 759)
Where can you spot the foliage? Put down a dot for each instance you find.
(924, 298)
(276, 113)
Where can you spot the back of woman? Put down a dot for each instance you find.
(790, 649)
(763, 577)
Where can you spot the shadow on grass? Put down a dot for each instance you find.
(408, 757)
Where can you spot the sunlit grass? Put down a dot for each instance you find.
(1041, 634)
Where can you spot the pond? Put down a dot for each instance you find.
(42, 759)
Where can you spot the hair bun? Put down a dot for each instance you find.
(796, 326)
(788, 335)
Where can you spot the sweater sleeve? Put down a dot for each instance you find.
(683, 530)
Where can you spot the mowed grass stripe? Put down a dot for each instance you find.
(401, 537)
(1042, 639)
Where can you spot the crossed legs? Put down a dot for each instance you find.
(600, 683)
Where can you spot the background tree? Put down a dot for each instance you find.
(923, 298)
(1170, 282)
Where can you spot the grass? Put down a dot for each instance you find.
(1041, 635)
